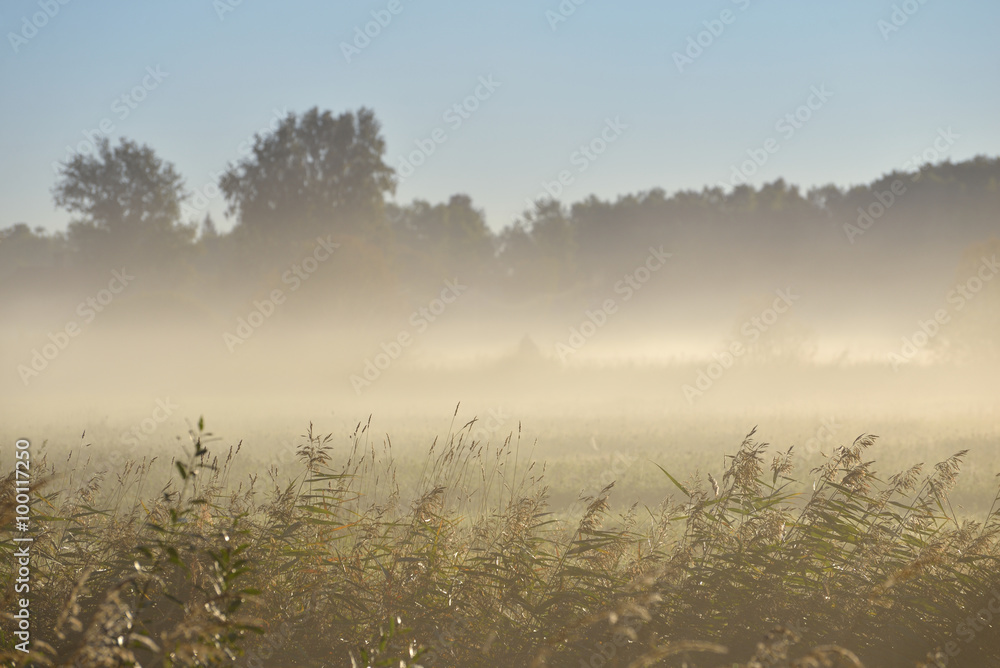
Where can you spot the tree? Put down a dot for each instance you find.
(128, 201)
(538, 252)
(441, 239)
(24, 248)
(314, 173)
(209, 233)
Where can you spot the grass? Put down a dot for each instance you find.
(336, 563)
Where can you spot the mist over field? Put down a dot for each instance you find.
(766, 299)
(571, 334)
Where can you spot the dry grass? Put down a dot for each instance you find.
(746, 567)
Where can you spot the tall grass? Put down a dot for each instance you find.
(335, 565)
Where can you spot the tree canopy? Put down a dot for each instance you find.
(324, 175)
(315, 172)
(127, 202)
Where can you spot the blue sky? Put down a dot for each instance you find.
(226, 72)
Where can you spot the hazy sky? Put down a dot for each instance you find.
(222, 74)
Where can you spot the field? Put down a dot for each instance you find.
(523, 334)
(516, 538)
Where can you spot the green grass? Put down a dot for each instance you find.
(357, 556)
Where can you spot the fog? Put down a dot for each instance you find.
(768, 306)
(431, 332)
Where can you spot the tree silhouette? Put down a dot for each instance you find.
(24, 248)
(538, 252)
(128, 204)
(314, 173)
(439, 240)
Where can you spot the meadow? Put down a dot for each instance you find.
(492, 540)
(508, 335)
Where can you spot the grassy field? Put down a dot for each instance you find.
(605, 540)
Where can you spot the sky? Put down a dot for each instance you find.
(871, 85)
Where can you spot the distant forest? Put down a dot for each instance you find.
(325, 176)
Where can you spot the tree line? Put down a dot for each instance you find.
(324, 175)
